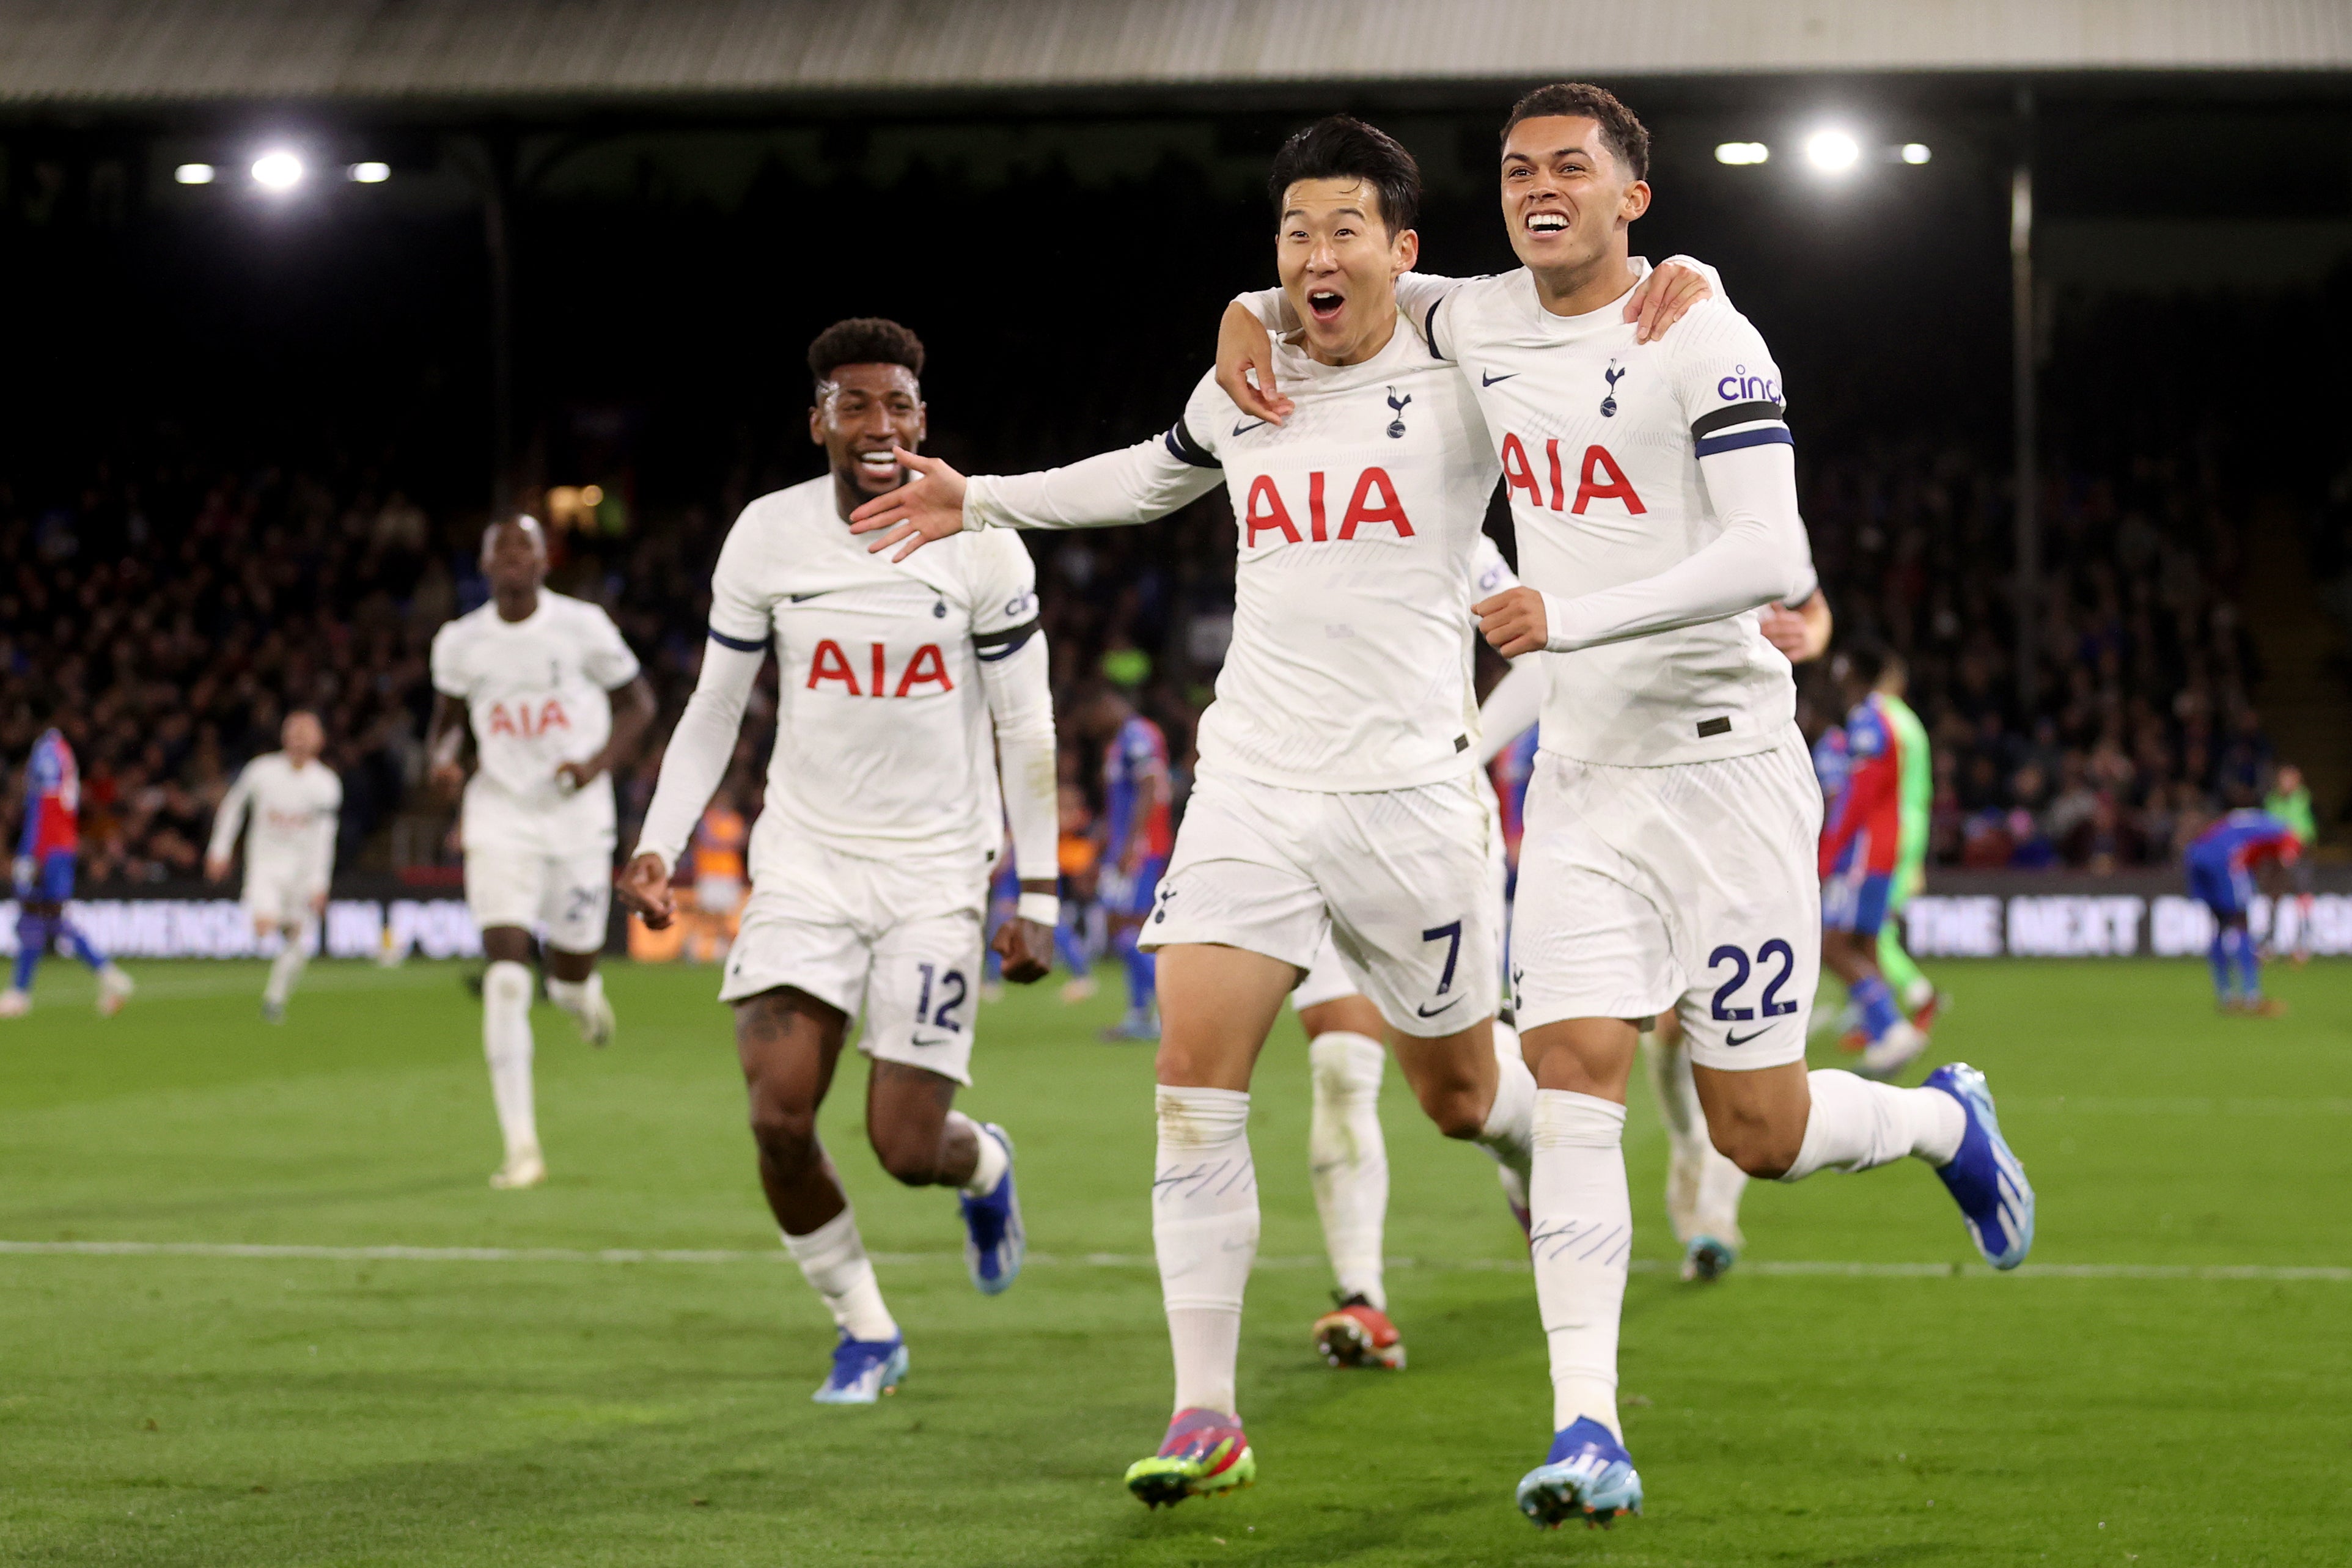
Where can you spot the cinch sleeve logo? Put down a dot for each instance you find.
(1373, 500)
(1600, 479)
(1741, 387)
(927, 667)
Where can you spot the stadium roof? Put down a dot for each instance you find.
(125, 52)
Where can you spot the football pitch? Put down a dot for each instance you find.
(259, 1307)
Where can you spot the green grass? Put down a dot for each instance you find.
(180, 1410)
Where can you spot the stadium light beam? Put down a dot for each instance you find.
(194, 173)
(1742, 152)
(368, 173)
(1832, 152)
(278, 171)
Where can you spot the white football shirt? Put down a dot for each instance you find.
(1599, 440)
(1356, 522)
(536, 691)
(294, 811)
(884, 744)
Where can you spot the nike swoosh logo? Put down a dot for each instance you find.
(1731, 1039)
(1487, 381)
(943, 1039)
(1248, 424)
(1432, 1012)
(804, 598)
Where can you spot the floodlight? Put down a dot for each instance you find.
(368, 173)
(1741, 152)
(194, 173)
(278, 171)
(1915, 152)
(1832, 152)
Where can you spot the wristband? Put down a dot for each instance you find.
(1042, 907)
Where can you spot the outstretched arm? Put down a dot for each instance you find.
(1134, 484)
(699, 749)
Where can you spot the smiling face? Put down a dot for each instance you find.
(1338, 265)
(1566, 199)
(861, 413)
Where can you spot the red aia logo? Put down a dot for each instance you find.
(1374, 500)
(528, 722)
(927, 667)
(1601, 480)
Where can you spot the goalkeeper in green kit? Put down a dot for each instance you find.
(1917, 995)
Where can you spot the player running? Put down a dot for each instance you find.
(1137, 838)
(904, 692)
(2221, 863)
(1668, 858)
(554, 699)
(2289, 800)
(1861, 849)
(1913, 991)
(1333, 792)
(289, 852)
(46, 850)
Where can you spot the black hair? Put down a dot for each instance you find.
(1864, 660)
(1345, 148)
(864, 340)
(1628, 137)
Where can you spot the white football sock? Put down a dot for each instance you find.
(1584, 1235)
(833, 1260)
(1204, 1230)
(505, 1041)
(1509, 1134)
(1710, 1205)
(1855, 1124)
(989, 1168)
(1348, 1158)
(578, 998)
(286, 969)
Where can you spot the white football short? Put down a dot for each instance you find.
(1397, 879)
(280, 892)
(899, 942)
(1328, 977)
(1689, 887)
(568, 899)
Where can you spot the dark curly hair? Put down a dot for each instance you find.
(864, 340)
(1627, 137)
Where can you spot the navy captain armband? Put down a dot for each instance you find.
(990, 646)
(740, 644)
(1757, 423)
(1182, 446)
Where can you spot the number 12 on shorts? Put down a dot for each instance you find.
(950, 989)
(1774, 1006)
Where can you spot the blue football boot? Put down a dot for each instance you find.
(1588, 1475)
(994, 1242)
(864, 1370)
(1985, 1177)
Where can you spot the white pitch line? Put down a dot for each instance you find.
(1766, 1267)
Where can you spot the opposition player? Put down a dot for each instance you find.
(1860, 853)
(2289, 800)
(46, 848)
(289, 854)
(2221, 863)
(554, 698)
(1668, 862)
(1333, 791)
(905, 691)
(1137, 839)
(1913, 991)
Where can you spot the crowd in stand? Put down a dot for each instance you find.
(171, 619)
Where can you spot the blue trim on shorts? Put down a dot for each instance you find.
(1856, 905)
